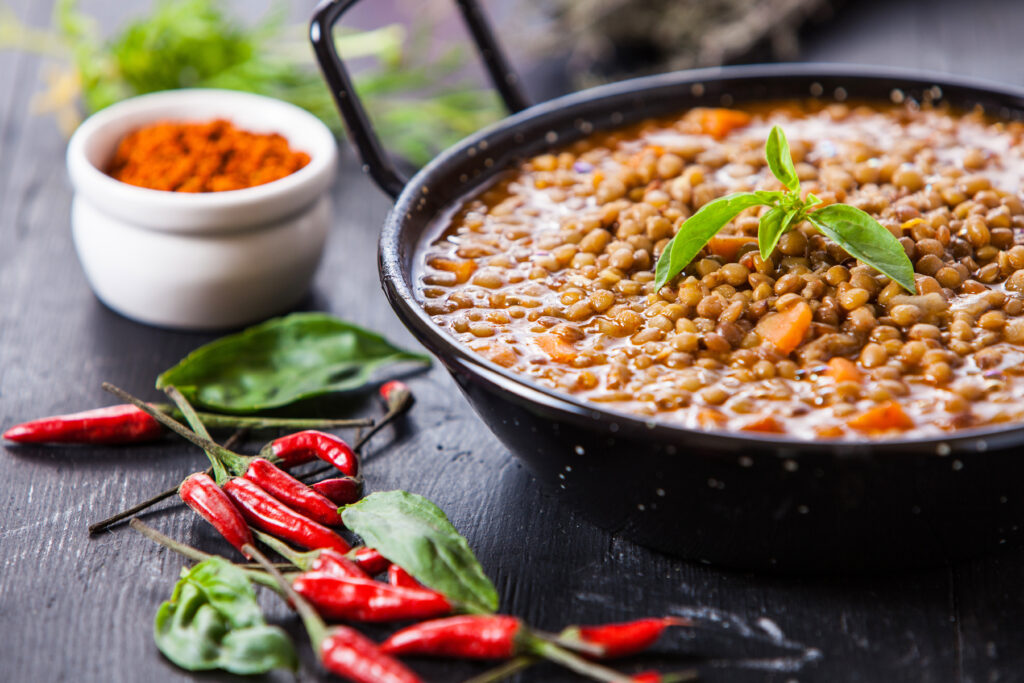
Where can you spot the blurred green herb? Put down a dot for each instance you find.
(417, 100)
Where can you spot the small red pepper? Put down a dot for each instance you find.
(395, 394)
(399, 577)
(370, 560)
(492, 636)
(269, 514)
(332, 562)
(346, 652)
(627, 638)
(202, 494)
(292, 492)
(356, 599)
(303, 446)
(340, 490)
(115, 424)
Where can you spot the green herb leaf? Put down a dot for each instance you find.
(866, 240)
(698, 229)
(773, 223)
(281, 361)
(780, 161)
(416, 535)
(213, 621)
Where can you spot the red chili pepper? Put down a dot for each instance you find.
(301, 447)
(116, 424)
(348, 653)
(332, 562)
(370, 560)
(355, 599)
(202, 494)
(292, 492)
(646, 677)
(399, 577)
(626, 638)
(395, 394)
(468, 636)
(269, 514)
(340, 490)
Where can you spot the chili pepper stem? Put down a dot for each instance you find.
(503, 671)
(218, 421)
(300, 560)
(315, 626)
(573, 662)
(576, 645)
(221, 458)
(105, 524)
(192, 553)
(169, 422)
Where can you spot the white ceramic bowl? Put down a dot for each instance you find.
(208, 260)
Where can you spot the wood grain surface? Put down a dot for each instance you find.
(79, 608)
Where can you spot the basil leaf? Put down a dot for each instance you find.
(281, 361)
(213, 621)
(866, 240)
(416, 535)
(773, 223)
(697, 230)
(780, 161)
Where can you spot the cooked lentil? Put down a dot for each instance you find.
(549, 273)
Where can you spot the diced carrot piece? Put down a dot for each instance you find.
(830, 432)
(720, 122)
(711, 419)
(786, 330)
(843, 370)
(728, 246)
(555, 347)
(462, 269)
(500, 354)
(882, 418)
(765, 423)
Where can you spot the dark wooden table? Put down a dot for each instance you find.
(79, 608)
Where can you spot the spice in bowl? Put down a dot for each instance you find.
(212, 156)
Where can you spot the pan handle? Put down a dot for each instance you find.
(375, 160)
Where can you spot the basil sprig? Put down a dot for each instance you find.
(416, 535)
(854, 230)
(213, 621)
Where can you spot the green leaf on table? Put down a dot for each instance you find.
(698, 229)
(865, 239)
(281, 361)
(416, 535)
(213, 621)
(780, 161)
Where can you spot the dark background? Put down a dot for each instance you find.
(80, 608)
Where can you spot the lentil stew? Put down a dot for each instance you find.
(549, 273)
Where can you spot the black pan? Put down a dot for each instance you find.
(754, 502)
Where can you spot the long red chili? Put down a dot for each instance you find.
(115, 424)
(340, 490)
(627, 638)
(269, 514)
(356, 599)
(369, 559)
(467, 636)
(303, 446)
(399, 577)
(202, 494)
(332, 562)
(292, 492)
(346, 652)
